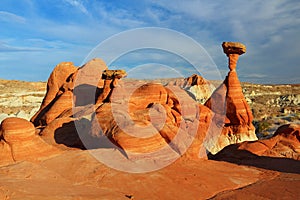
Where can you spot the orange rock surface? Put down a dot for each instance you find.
(20, 142)
(229, 102)
(57, 79)
(285, 143)
(99, 137)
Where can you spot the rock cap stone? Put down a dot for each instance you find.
(111, 74)
(233, 48)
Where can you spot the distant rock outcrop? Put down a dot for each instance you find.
(200, 88)
(197, 87)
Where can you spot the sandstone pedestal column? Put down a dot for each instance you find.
(229, 101)
(111, 79)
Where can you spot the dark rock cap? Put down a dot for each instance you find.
(233, 48)
(111, 74)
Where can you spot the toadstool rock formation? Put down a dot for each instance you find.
(228, 101)
(111, 79)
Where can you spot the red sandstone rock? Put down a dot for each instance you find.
(229, 102)
(195, 79)
(19, 136)
(154, 112)
(154, 93)
(61, 131)
(233, 48)
(132, 130)
(87, 81)
(62, 103)
(199, 88)
(289, 131)
(57, 79)
(91, 73)
(159, 123)
(67, 83)
(147, 118)
(111, 80)
(78, 174)
(284, 144)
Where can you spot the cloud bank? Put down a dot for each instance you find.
(37, 35)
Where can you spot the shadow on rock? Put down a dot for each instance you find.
(76, 134)
(67, 135)
(232, 154)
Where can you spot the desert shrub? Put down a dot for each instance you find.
(262, 126)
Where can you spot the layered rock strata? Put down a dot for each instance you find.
(228, 101)
(18, 141)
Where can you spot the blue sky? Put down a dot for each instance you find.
(35, 35)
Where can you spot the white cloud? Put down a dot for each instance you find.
(11, 17)
(270, 30)
(253, 76)
(79, 5)
(115, 16)
(8, 48)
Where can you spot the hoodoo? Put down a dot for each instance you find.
(229, 102)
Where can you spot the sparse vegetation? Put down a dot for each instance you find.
(262, 126)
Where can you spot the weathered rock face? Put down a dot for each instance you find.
(56, 81)
(200, 88)
(62, 133)
(289, 131)
(233, 48)
(148, 120)
(284, 144)
(19, 142)
(144, 118)
(87, 80)
(228, 101)
(196, 86)
(66, 84)
(111, 80)
(112, 74)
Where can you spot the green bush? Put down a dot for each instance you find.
(262, 126)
